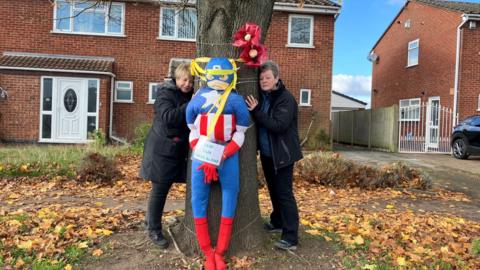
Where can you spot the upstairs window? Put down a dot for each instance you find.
(300, 31)
(410, 109)
(89, 17)
(413, 50)
(178, 24)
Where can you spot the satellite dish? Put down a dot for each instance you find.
(373, 57)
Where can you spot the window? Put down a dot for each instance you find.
(413, 49)
(305, 97)
(410, 109)
(46, 111)
(152, 92)
(124, 91)
(300, 31)
(178, 24)
(89, 17)
(478, 105)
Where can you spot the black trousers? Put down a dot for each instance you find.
(156, 203)
(285, 211)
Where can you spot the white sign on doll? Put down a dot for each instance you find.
(208, 151)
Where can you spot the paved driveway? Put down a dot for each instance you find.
(445, 171)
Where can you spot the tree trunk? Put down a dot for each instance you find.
(218, 20)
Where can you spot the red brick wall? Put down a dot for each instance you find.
(469, 83)
(434, 75)
(302, 68)
(19, 113)
(142, 58)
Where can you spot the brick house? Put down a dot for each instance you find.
(65, 72)
(428, 61)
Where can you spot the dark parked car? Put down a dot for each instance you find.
(466, 138)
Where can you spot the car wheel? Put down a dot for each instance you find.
(459, 149)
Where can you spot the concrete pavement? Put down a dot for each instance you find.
(444, 170)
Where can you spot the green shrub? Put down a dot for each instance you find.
(141, 132)
(319, 140)
(476, 247)
(99, 138)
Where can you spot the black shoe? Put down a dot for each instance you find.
(285, 245)
(158, 239)
(271, 229)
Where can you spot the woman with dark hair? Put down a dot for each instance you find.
(166, 147)
(276, 117)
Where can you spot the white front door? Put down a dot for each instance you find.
(433, 122)
(70, 108)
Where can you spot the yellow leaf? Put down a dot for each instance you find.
(313, 232)
(401, 261)
(1, 168)
(67, 267)
(69, 226)
(58, 229)
(305, 222)
(103, 231)
(99, 204)
(97, 252)
(14, 223)
(444, 249)
(19, 263)
(359, 240)
(327, 238)
(83, 245)
(369, 267)
(389, 206)
(46, 224)
(14, 196)
(24, 168)
(26, 245)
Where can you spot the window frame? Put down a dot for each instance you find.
(300, 45)
(107, 18)
(309, 92)
(151, 99)
(402, 119)
(409, 50)
(478, 103)
(123, 89)
(175, 37)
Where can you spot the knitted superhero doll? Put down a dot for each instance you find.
(220, 116)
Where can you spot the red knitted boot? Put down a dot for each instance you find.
(203, 237)
(224, 235)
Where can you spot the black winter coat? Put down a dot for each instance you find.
(166, 146)
(281, 124)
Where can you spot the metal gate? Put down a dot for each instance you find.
(425, 127)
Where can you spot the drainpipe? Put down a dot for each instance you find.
(110, 127)
(465, 19)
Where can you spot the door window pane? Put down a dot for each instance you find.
(46, 126)
(92, 96)
(91, 123)
(47, 95)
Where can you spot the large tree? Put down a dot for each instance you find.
(218, 20)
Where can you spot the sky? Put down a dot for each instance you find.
(358, 27)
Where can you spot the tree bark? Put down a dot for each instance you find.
(218, 20)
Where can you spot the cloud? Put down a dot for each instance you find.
(356, 86)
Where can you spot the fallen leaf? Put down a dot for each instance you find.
(97, 252)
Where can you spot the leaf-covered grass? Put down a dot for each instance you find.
(35, 160)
